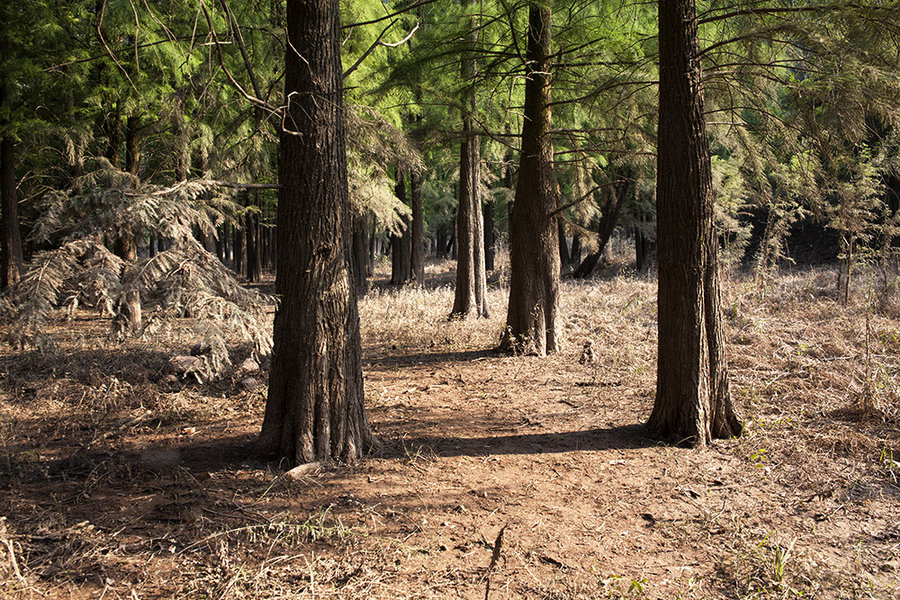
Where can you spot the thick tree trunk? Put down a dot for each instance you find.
(470, 298)
(693, 400)
(401, 248)
(417, 254)
(314, 410)
(534, 244)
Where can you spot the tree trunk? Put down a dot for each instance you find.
(373, 240)
(575, 254)
(132, 144)
(401, 248)
(643, 245)
(128, 312)
(238, 264)
(417, 259)
(11, 260)
(564, 257)
(693, 400)
(609, 218)
(470, 298)
(360, 252)
(111, 128)
(254, 263)
(533, 236)
(314, 410)
(490, 236)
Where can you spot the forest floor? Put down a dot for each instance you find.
(119, 482)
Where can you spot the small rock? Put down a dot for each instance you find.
(247, 367)
(249, 384)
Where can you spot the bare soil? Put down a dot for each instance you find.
(497, 476)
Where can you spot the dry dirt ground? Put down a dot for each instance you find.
(498, 476)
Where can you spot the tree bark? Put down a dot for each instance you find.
(360, 252)
(693, 401)
(238, 264)
(128, 312)
(132, 144)
(470, 297)
(534, 244)
(254, 262)
(11, 260)
(490, 236)
(417, 257)
(314, 410)
(563, 243)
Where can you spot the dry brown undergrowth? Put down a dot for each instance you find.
(120, 484)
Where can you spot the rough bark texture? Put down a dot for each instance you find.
(314, 410)
(417, 254)
(470, 297)
(693, 400)
(533, 237)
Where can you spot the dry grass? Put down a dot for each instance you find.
(122, 484)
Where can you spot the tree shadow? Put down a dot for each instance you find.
(624, 437)
(430, 358)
